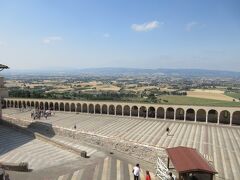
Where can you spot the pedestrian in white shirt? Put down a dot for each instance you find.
(136, 172)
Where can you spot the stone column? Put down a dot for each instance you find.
(174, 115)
(185, 114)
(231, 116)
(206, 117)
(147, 113)
(195, 117)
(155, 114)
(218, 118)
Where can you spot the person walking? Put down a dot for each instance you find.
(136, 172)
(148, 177)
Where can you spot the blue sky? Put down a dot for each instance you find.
(127, 33)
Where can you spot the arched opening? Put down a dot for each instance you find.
(91, 108)
(73, 109)
(78, 107)
(67, 107)
(61, 106)
(134, 111)
(160, 113)
(97, 109)
(236, 118)
(119, 110)
(126, 110)
(143, 111)
(224, 117)
(104, 109)
(24, 104)
(190, 115)
(12, 104)
(3, 104)
(112, 110)
(37, 105)
(56, 106)
(46, 105)
(32, 104)
(170, 113)
(41, 106)
(19, 104)
(84, 108)
(6, 104)
(201, 115)
(28, 104)
(180, 114)
(51, 105)
(151, 112)
(212, 116)
(16, 104)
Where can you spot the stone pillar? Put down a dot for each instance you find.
(218, 118)
(185, 114)
(165, 114)
(231, 116)
(174, 115)
(195, 117)
(155, 114)
(123, 111)
(146, 112)
(207, 117)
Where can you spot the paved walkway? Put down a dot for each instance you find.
(220, 144)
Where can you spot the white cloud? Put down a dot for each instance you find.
(146, 26)
(191, 25)
(52, 39)
(106, 35)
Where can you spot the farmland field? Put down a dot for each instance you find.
(185, 100)
(233, 95)
(209, 94)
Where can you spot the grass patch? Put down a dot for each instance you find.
(233, 95)
(185, 100)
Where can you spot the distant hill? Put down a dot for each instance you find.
(126, 72)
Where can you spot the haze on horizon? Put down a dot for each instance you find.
(133, 34)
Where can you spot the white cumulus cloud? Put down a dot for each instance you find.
(146, 26)
(52, 39)
(191, 25)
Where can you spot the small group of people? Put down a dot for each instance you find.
(37, 114)
(136, 173)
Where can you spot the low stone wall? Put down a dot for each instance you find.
(141, 151)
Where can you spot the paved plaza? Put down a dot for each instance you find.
(220, 144)
(49, 162)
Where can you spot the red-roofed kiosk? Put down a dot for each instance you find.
(190, 164)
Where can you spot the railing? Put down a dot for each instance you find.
(161, 170)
